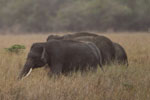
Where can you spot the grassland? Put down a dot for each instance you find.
(116, 83)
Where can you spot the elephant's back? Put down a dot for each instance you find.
(104, 44)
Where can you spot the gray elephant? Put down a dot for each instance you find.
(62, 56)
(33, 59)
(72, 36)
(120, 54)
(104, 44)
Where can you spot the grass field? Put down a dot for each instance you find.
(115, 83)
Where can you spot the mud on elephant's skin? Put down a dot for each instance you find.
(104, 44)
(62, 56)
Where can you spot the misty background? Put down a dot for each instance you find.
(75, 15)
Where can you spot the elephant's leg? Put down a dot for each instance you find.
(94, 68)
(56, 69)
(108, 59)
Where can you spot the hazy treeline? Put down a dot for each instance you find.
(75, 15)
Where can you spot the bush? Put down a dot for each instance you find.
(15, 48)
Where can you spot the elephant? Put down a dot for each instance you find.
(33, 59)
(72, 36)
(104, 44)
(62, 56)
(120, 54)
(55, 37)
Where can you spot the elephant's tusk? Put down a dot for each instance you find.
(28, 73)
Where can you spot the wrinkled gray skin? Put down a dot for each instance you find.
(104, 44)
(63, 56)
(120, 54)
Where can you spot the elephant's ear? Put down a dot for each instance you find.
(44, 55)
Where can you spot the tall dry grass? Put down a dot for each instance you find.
(116, 83)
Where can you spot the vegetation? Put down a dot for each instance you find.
(15, 48)
(75, 15)
(115, 83)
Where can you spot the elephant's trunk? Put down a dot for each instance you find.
(26, 70)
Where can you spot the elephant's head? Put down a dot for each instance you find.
(35, 59)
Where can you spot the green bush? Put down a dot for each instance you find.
(16, 48)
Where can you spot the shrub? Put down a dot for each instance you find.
(16, 48)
